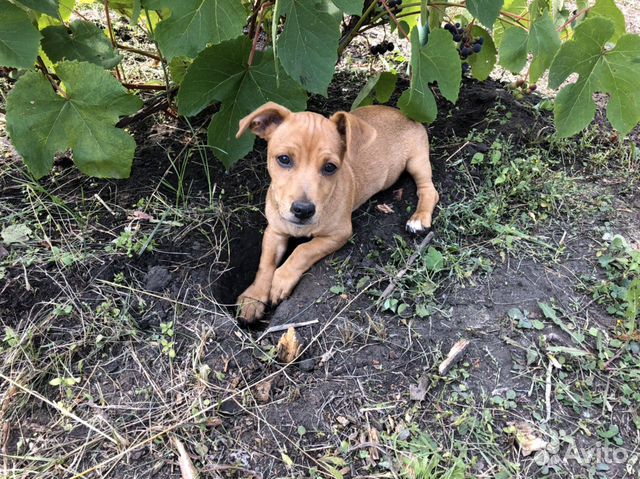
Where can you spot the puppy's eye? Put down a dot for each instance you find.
(329, 169)
(284, 161)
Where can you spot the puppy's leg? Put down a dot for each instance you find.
(303, 257)
(420, 169)
(252, 302)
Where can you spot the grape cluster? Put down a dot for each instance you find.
(467, 44)
(382, 48)
(521, 88)
(392, 4)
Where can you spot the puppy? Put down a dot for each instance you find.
(321, 170)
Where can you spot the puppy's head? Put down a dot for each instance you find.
(307, 154)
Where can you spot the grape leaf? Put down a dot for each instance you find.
(195, 23)
(308, 46)
(486, 11)
(517, 7)
(220, 74)
(380, 86)
(608, 9)
(482, 63)
(42, 123)
(613, 71)
(50, 7)
(438, 62)
(513, 50)
(82, 41)
(350, 7)
(543, 41)
(19, 38)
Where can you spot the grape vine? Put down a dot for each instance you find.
(68, 89)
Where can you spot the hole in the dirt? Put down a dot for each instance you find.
(244, 249)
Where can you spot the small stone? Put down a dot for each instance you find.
(307, 365)
(157, 279)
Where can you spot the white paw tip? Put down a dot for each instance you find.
(414, 226)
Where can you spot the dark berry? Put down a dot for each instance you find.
(466, 51)
(480, 40)
(398, 2)
(448, 27)
(390, 47)
(477, 47)
(456, 38)
(457, 25)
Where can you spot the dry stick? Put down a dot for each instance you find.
(144, 53)
(62, 411)
(155, 105)
(455, 354)
(547, 392)
(230, 396)
(392, 285)
(284, 327)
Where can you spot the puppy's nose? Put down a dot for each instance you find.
(303, 209)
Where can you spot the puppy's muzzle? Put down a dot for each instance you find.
(303, 210)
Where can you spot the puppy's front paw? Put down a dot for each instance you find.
(419, 223)
(282, 286)
(250, 310)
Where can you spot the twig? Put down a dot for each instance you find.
(156, 104)
(584, 11)
(547, 391)
(52, 78)
(184, 461)
(284, 327)
(455, 354)
(140, 52)
(392, 285)
(143, 86)
(354, 31)
(393, 17)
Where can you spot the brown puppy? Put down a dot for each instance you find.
(321, 170)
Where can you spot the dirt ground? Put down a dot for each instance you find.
(119, 335)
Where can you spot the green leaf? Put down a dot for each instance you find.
(513, 50)
(131, 8)
(609, 10)
(195, 23)
(308, 46)
(544, 43)
(220, 74)
(517, 7)
(434, 261)
(633, 304)
(613, 71)
(17, 233)
(380, 86)
(19, 38)
(486, 11)
(42, 123)
(178, 68)
(82, 41)
(50, 7)
(438, 62)
(350, 7)
(482, 63)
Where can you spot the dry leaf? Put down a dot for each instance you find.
(289, 348)
(385, 208)
(374, 438)
(419, 392)
(344, 422)
(397, 194)
(263, 390)
(140, 216)
(327, 356)
(187, 470)
(526, 438)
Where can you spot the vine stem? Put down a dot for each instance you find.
(577, 15)
(50, 77)
(393, 17)
(163, 62)
(356, 28)
(119, 76)
(258, 30)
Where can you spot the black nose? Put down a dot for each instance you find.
(303, 209)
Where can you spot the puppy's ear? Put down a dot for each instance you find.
(356, 133)
(264, 120)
